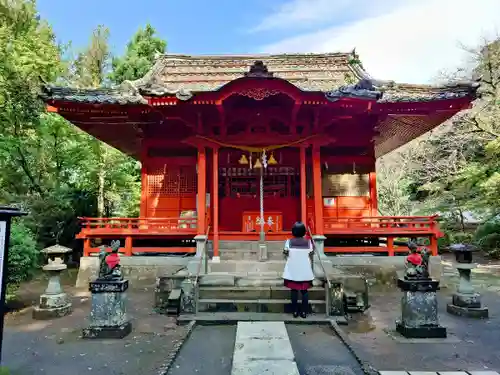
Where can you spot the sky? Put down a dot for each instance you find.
(412, 41)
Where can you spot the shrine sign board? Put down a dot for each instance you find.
(273, 221)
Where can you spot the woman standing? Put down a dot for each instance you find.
(298, 273)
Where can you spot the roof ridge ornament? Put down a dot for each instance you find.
(364, 89)
(259, 70)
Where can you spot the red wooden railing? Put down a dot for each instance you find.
(136, 225)
(382, 224)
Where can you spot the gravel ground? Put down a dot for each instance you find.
(318, 351)
(209, 351)
(55, 347)
(472, 344)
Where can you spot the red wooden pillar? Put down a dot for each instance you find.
(215, 194)
(128, 246)
(373, 193)
(318, 194)
(86, 247)
(390, 246)
(144, 181)
(303, 197)
(202, 189)
(434, 245)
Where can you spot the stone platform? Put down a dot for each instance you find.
(383, 269)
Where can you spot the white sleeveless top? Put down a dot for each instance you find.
(298, 265)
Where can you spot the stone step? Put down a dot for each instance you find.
(250, 245)
(239, 254)
(275, 292)
(255, 305)
(248, 266)
(217, 318)
(256, 301)
(244, 280)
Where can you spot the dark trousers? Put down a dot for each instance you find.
(295, 300)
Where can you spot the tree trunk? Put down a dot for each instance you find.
(101, 179)
(100, 191)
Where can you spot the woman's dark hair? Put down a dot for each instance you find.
(299, 229)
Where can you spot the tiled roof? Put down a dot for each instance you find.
(336, 74)
(118, 95)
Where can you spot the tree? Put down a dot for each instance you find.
(115, 174)
(90, 71)
(456, 168)
(392, 183)
(139, 56)
(27, 52)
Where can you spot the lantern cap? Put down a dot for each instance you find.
(460, 247)
(56, 249)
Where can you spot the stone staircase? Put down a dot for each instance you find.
(252, 290)
(244, 292)
(249, 250)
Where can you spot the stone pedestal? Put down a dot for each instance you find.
(319, 243)
(419, 309)
(465, 301)
(193, 264)
(263, 256)
(188, 296)
(54, 303)
(108, 317)
(336, 299)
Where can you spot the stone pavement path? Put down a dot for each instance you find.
(262, 347)
(272, 348)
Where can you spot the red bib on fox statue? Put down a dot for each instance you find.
(112, 260)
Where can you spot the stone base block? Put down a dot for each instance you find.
(423, 332)
(107, 332)
(470, 300)
(469, 312)
(40, 313)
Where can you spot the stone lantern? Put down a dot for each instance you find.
(465, 301)
(54, 303)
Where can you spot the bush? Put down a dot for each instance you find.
(487, 237)
(451, 237)
(23, 255)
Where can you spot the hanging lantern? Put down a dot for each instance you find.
(257, 164)
(272, 160)
(243, 160)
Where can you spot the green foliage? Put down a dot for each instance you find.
(487, 236)
(456, 169)
(139, 57)
(50, 167)
(23, 254)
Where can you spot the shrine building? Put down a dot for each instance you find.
(238, 148)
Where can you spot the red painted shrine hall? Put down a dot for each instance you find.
(206, 127)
